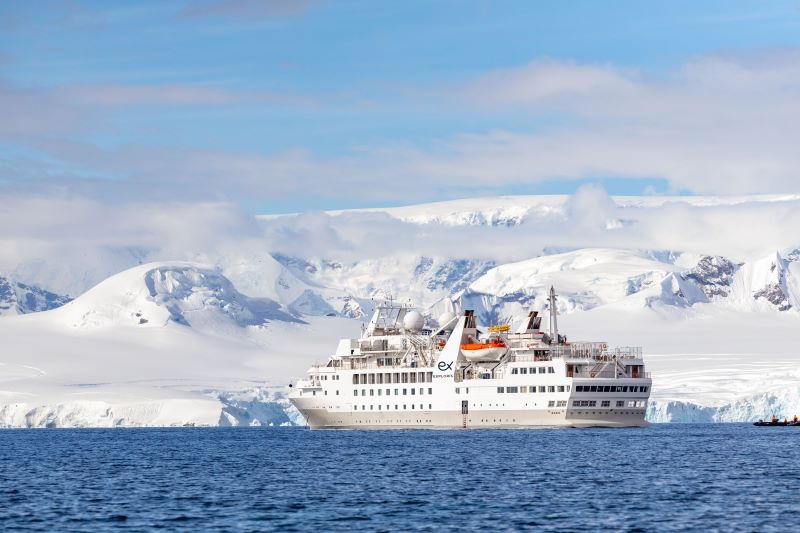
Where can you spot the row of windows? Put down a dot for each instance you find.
(609, 388)
(389, 392)
(396, 407)
(607, 403)
(324, 377)
(532, 389)
(532, 370)
(379, 378)
(560, 403)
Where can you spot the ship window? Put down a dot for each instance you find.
(607, 389)
(430, 390)
(643, 389)
(532, 389)
(395, 407)
(405, 391)
(514, 371)
(605, 403)
(532, 370)
(458, 391)
(395, 378)
(325, 393)
(404, 377)
(413, 377)
(551, 388)
(512, 390)
(337, 393)
(363, 392)
(523, 370)
(467, 389)
(370, 407)
(371, 378)
(412, 405)
(355, 379)
(568, 387)
(379, 377)
(430, 406)
(501, 390)
(387, 378)
(579, 388)
(624, 389)
(592, 403)
(562, 403)
(634, 389)
(551, 403)
(429, 377)
(523, 389)
(551, 370)
(421, 377)
(561, 388)
(371, 392)
(413, 391)
(541, 388)
(355, 392)
(542, 370)
(388, 392)
(620, 403)
(593, 388)
(313, 393)
(421, 390)
(396, 392)
(380, 391)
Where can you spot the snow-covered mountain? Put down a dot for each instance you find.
(515, 210)
(153, 295)
(18, 298)
(591, 278)
(215, 340)
(160, 344)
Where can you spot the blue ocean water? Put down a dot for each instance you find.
(666, 477)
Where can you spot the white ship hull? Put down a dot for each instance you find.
(324, 419)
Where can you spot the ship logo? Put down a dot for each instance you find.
(443, 367)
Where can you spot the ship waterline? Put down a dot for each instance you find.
(400, 375)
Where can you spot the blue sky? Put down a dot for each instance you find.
(289, 106)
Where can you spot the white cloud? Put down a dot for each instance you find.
(717, 125)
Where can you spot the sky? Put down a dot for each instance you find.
(279, 106)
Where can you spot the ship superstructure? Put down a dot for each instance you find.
(398, 374)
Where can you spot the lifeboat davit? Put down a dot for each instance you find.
(484, 351)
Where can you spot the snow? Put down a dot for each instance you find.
(215, 340)
(513, 210)
(207, 355)
(19, 298)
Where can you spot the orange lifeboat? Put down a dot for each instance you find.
(492, 350)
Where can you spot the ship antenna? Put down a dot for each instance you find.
(553, 316)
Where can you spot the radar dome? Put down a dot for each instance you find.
(446, 317)
(413, 321)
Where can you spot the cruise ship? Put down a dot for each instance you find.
(399, 374)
